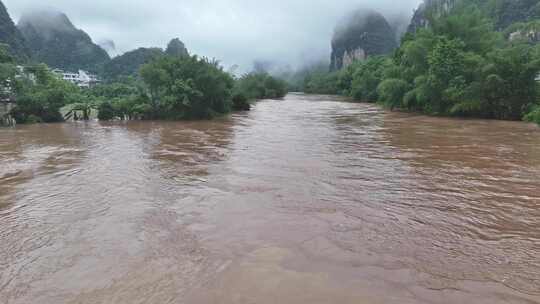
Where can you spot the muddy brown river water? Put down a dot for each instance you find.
(303, 200)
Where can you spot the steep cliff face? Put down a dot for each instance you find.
(509, 12)
(435, 8)
(399, 23)
(54, 40)
(363, 34)
(530, 35)
(176, 48)
(10, 35)
(419, 19)
(504, 13)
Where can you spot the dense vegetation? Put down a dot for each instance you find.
(168, 87)
(479, 58)
(257, 85)
(534, 115)
(260, 86)
(184, 87)
(10, 36)
(128, 64)
(39, 98)
(507, 12)
(503, 13)
(460, 66)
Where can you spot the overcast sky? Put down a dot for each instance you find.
(233, 31)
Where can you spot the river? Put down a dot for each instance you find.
(309, 199)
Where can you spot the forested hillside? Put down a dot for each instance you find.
(55, 41)
(503, 13)
(128, 64)
(11, 36)
(465, 58)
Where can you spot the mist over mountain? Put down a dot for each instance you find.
(109, 46)
(361, 34)
(235, 31)
(53, 39)
(365, 32)
(349, 31)
(399, 23)
(11, 36)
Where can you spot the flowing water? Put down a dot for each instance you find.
(305, 200)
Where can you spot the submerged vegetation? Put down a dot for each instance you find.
(183, 87)
(534, 115)
(169, 87)
(459, 66)
(40, 97)
(260, 86)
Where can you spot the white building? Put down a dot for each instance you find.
(82, 79)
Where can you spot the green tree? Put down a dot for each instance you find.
(241, 103)
(533, 115)
(260, 85)
(392, 91)
(106, 111)
(470, 25)
(42, 98)
(458, 65)
(509, 84)
(322, 83)
(367, 76)
(187, 87)
(8, 71)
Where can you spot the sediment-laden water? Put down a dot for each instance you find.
(305, 200)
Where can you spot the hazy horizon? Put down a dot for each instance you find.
(237, 32)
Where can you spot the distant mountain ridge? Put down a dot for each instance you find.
(176, 48)
(53, 39)
(129, 63)
(50, 37)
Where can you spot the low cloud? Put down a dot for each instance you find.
(234, 31)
